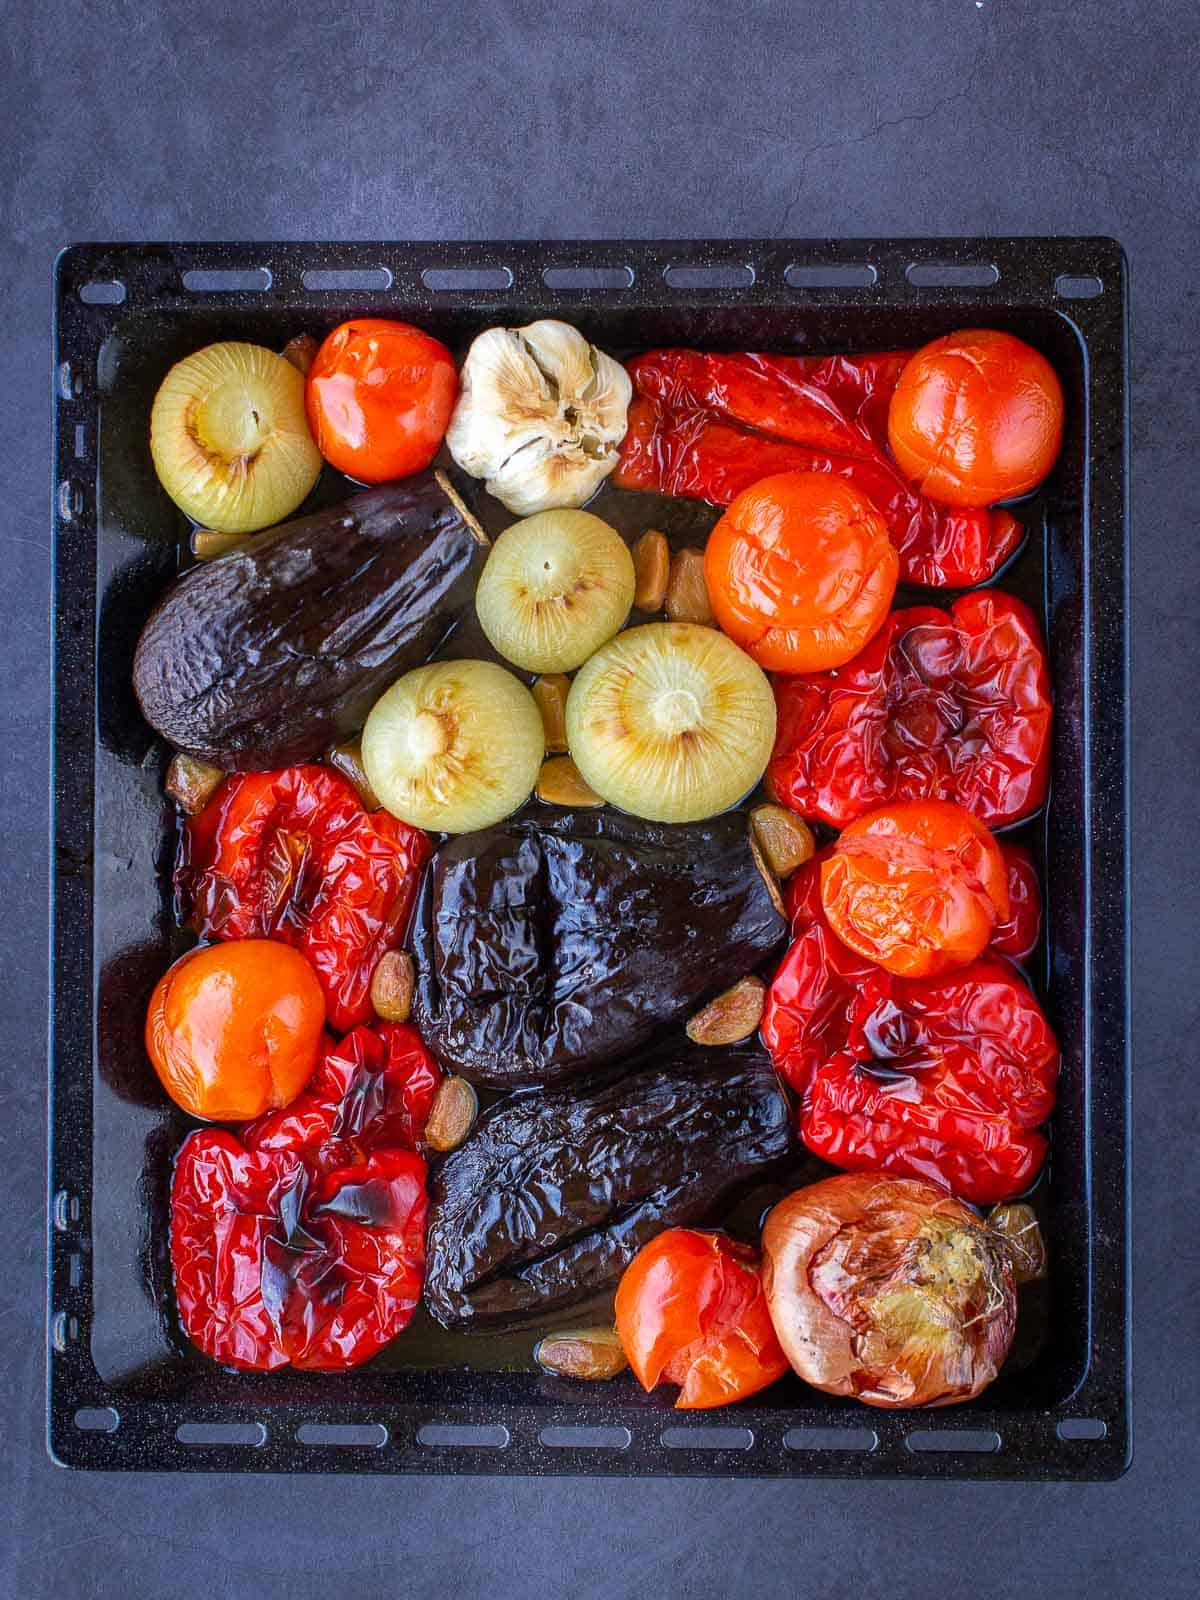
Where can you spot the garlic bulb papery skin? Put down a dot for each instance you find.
(540, 415)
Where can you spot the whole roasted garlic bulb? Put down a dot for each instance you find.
(540, 415)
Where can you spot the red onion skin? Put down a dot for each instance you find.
(864, 1236)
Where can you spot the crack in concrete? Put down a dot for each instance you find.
(879, 127)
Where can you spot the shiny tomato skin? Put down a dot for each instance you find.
(916, 887)
(801, 571)
(235, 1030)
(379, 397)
(976, 417)
(690, 1309)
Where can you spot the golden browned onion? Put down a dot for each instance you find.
(888, 1290)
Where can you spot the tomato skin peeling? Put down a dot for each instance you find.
(691, 1311)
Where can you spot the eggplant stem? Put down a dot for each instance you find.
(460, 505)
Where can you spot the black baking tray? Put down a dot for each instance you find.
(125, 1390)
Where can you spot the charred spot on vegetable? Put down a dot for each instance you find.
(291, 1205)
(370, 1202)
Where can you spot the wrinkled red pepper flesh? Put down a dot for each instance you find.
(699, 455)
(834, 403)
(946, 705)
(1018, 935)
(944, 1078)
(293, 855)
(303, 1241)
(372, 1090)
(272, 1268)
(350, 1281)
(226, 1201)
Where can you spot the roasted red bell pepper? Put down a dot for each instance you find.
(947, 705)
(944, 1078)
(698, 454)
(272, 1266)
(834, 403)
(293, 855)
(1017, 936)
(373, 1090)
(303, 1241)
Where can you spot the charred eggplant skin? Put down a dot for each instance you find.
(266, 656)
(567, 940)
(554, 1192)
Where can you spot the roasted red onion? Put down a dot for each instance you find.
(888, 1290)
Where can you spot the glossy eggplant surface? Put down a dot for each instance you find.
(269, 654)
(555, 1191)
(564, 941)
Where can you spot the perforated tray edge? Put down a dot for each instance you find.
(1028, 1445)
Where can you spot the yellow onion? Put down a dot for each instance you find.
(888, 1290)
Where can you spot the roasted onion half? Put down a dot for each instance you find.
(888, 1290)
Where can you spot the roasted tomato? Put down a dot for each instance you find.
(292, 855)
(942, 1078)
(373, 1090)
(699, 453)
(1017, 935)
(800, 571)
(379, 398)
(274, 1265)
(233, 1030)
(977, 416)
(945, 705)
(917, 887)
(691, 1310)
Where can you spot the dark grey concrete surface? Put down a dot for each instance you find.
(381, 119)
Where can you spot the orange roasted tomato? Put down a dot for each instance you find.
(800, 571)
(379, 398)
(976, 417)
(691, 1310)
(235, 1029)
(916, 887)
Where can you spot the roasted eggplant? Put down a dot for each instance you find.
(278, 649)
(554, 1192)
(567, 940)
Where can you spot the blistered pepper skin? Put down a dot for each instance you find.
(940, 705)
(554, 1192)
(564, 941)
(302, 1241)
(835, 403)
(294, 855)
(944, 1078)
(373, 1090)
(703, 456)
